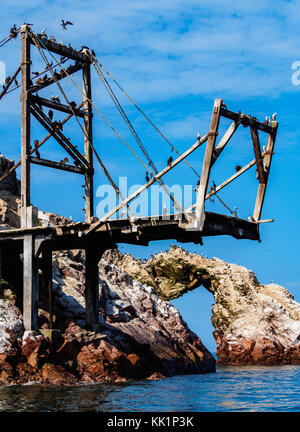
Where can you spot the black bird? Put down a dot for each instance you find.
(50, 115)
(45, 77)
(147, 177)
(238, 168)
(169, 161)
(63, 161)
(7, 80)
(36, 74)
(35, 143)
(13, 31)
(93, 53)
(55, 99)
(64, 24)
(77, 164)
(73, 104)
(16, 82)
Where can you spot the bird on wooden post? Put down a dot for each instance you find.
(35, 144)
(147, 177)
(238, 168)
(65, 23)
(169, 161)
(13, 32)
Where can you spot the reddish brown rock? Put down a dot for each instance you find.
(56, 375)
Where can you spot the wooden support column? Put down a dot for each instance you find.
(25, 127)
(30, 275)
(88, 142)
(257, 153)
(92, 258)
(1, 271)
(267, 165)
(47, 280)
(207, 163)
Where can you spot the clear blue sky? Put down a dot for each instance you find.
(174, 58)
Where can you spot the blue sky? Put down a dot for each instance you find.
(174, 58)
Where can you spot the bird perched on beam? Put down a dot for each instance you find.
(169, 161)
(55, 99)
(13, 32)
(35, 144)
(64, 161)
(43, 33)
(147, 177)
(36, 74)
(238, 168)
(50, 115)
(274, 117)
(65, 23)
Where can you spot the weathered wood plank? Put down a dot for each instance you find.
(25, 124)
(88, 143)
(236, 116)
(52, 80)
(257, 153)
(57, 106)
(56, 165)
(207, 163)
(267, 165)
(62, 50)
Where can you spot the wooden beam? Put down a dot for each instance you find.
(257, 153)
(207, 163)
(224, 141)
(88, 143)
(56, 165)
(10, 82)
(236, 116)
(58, 136)
(228, 181)
(267, 165)
(25, 126)
(30, 273)
(62, 50)
(37, 147)
(71, 70)
(57, 106)
(147, 185)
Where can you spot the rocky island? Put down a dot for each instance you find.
(141, 334)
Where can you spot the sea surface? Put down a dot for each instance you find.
(247, 388)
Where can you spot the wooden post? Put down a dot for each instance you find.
(47, 280)
(88, 142)
(30, 272)
(92, 258)
(207, 163)
(25, 128)
(267, 165)
(257, 153)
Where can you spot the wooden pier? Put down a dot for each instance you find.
(37, 243)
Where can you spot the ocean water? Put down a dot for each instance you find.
(249, 388)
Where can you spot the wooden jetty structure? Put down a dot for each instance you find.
(37, 243)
